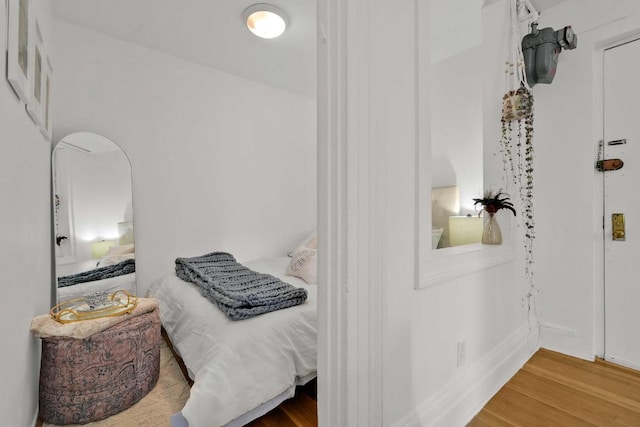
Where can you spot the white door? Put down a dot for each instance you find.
(622, 195)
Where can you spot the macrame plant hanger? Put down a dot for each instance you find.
(516, 146)
(515, 105)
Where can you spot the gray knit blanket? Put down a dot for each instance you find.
(119, 269)
(238, 292)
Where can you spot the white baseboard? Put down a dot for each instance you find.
(623, 362)
(566, 341)
(464, 396)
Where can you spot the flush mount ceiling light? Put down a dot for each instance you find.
(265, 20)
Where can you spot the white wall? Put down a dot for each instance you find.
(456, 124)
(568, 193)
(485, 308)
(218, 162)
(100, 185)
(454, 26)
(25, 253)
(421, 382)
(102, 194)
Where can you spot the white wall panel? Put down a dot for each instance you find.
(218, 162)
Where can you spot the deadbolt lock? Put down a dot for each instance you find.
(617, 226)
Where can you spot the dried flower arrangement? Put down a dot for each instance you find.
(492, 203)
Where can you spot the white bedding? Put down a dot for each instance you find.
(126, 282)
(237, 366)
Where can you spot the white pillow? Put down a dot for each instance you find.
(121, 250)
(304, 264)
(436, 234)
(311, 242)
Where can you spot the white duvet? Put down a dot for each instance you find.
(237, 366)
(126, 282)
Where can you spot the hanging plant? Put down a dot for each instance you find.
(516, 104)
(516, 145)
(517, 153)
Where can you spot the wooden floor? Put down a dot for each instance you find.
(557, 390)
(301, 411)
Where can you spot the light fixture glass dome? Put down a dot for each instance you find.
(265, 20)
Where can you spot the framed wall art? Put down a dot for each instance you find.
(47, 80)
(37, 57)
(18, 58)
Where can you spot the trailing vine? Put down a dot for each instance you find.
(516, 147)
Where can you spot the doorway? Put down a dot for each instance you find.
(621, 204)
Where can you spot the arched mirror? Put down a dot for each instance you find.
(93, 217)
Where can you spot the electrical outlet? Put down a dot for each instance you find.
(462, 352)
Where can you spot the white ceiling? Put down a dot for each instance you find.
(456, 25)
(212, 33)
(541, 5)
(209, 32)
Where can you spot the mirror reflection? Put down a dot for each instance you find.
(456, 123)
(93, 217)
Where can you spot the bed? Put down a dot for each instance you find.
(110, 273)
(125, 282)
(240, 369)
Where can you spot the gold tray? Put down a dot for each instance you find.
(118, 303)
